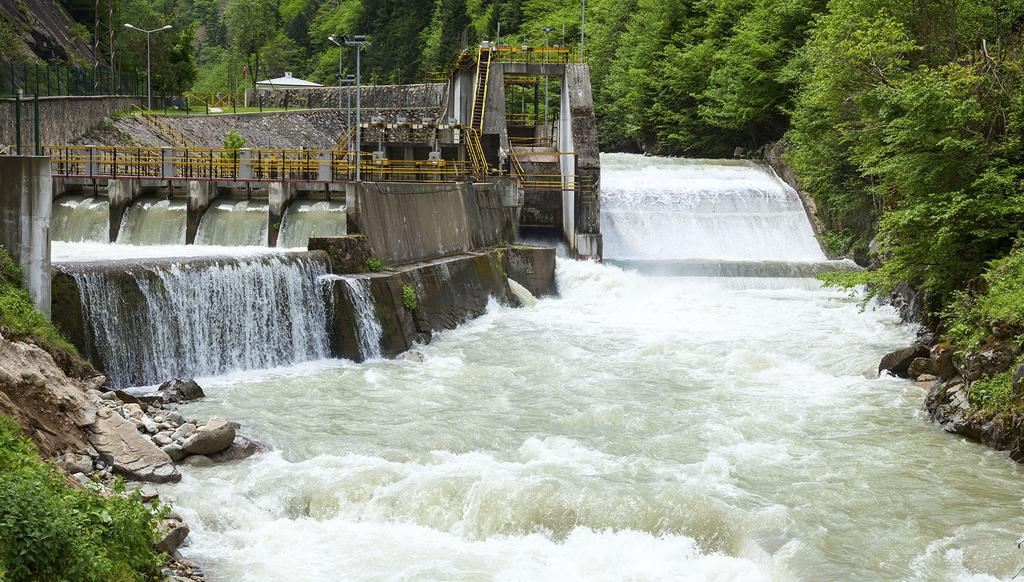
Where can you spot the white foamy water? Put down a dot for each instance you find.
(84, 252)
(368, 329)
(305, 218)
(635, 428)
(154, 221)
(234, 223)
(80, 218)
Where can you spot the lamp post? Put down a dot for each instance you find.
(358, 41)
(547, 30)
(149, 68)
(344, 79)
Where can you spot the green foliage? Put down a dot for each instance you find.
(233, 140)
(375, 265)
(992, 394)
(995, 300)
(18, 317)
(50, 530)
(409, 298)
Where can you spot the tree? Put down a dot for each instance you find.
(250, 25)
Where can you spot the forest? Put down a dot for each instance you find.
(902, 119)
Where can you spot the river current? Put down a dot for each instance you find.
(633, 428)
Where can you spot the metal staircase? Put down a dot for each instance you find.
(166, 131)
(483, 74)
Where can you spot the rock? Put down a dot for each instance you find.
(133, 410)
(177, 390)
(174, 451)
(184, 431)
(198, 461)
(82, 478)
(148, 493)
(130, 454)
(241, 448)
(909, 303)
(941, 356)
(162, 440)
(95, 383)
(986, 363)
(76, 463)
(214, 436)
(150, 425)
(927, 378)
(109, 396)
(1018, 380)
(175, 418)
(172, 534)
(413, 356)
(919, 367)
(898, 362)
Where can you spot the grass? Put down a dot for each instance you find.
(51, 530)
(19, 318)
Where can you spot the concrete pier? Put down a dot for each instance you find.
(26, 202)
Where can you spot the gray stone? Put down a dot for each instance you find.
(1018, 380)
(241, 448)
(148, 493)
(184, 431)
(986, 363)
(941, 356)
(198, 461)
(130, 454)
(920, 366)
(174, 451)
(172, 534)
(413, 356)
(214, 436)
(76, 463)
(178, 390)
(898, 362)
(150, 425)
(175, 418)
(162, 440)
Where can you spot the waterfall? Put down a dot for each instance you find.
(368, 329)
(154, 221)
(304, 219)
(673, 209)
(150, 322)
(234, 223)
(80, 219)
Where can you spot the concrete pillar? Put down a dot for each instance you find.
(167, 167)
(281, 195)
(567, 166)
(198, 201)
(121, 192)
(245, 164)
(324, 166)
(26, 201)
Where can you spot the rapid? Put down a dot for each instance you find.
(637, 427)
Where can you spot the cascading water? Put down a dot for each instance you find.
(234, 223)
(305, 219)
(368, 329)
(668, 209)
(153, 322)
(152, 221)
(635, 428)
(80, 219)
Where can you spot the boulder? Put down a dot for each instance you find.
(1018, 380)
(214, 436)
(941, 355)
(129, 453)
(183, 432)
(75, 463)
(241, 448)
(174, 451)
(921, 366)
(173, 532)
(986, 363)
(898, 362)
(177, 390)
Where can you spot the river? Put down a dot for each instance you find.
(636, 427)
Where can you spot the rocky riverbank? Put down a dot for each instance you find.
(96, 435)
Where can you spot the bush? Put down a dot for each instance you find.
(50, 530)
(992, 394)
(374, 265)
(233, 140)
(996, 299)
(409, 299)
(18, 317)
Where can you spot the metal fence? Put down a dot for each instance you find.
(53, 80)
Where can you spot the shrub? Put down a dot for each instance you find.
(996, 299)
(18, 316)
(992, 394)
(233, 140)
(50, 530)
(374, 265)
(409, 299)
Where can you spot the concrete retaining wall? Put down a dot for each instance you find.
(449, 292)
(26, 201)
(413, 222)
(61, 119)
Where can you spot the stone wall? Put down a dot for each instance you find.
(413, 101)
(26, 200)
(406, 222)
(772, 155)
(62, 119)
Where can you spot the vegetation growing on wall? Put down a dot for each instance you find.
(19, 319)
(409, 298)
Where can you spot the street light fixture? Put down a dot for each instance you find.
(547, 30)
(344, 79)
(149, 68)
(358, 41)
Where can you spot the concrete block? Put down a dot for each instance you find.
(26, 202)
(199, 198)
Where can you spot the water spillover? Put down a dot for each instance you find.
(634, 428)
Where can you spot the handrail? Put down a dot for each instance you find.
(476, 154)
(480, 103)
(167, 131)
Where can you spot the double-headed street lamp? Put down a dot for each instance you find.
(358, 41)
(149, 69)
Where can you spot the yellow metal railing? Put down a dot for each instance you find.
(475, 152)
(166, 131)
(483, 75)
(532, 54)
(532, 142)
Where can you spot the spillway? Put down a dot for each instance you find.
(721, 420)
(157, 319)
(154, 221)
(305, 218)
(80, 219)
(234, 223)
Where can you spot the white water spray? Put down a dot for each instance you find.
(368, 329)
